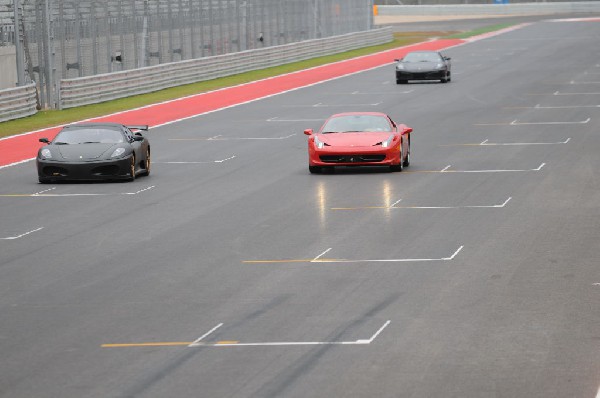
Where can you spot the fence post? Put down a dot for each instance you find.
(19, 44)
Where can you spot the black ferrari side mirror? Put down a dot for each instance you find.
(44, 140)
(138, 138)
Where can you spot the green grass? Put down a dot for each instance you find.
(49, 118)
(480, 31)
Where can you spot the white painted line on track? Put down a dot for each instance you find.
(322, 105)
(446, 170)
(16, 163)
(486, 143)
(424, 207)
(300, 343)
(199, 162)
(220, 137)
(395, 203)
(538, 106)
(517, 123)
(559, 93)
(277, 119)
(394, 260)
(346, 261)
(574, 82)
(44, 191)
(372, 92)
(320, 255)
(197, 342)
(500, 206)
(45, 194)
(22, 235)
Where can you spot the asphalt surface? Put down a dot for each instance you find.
(473, 273)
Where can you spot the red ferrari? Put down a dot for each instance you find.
(359, 139)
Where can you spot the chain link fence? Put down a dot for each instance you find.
(64, 39)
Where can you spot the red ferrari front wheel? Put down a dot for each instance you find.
(314, 169)
(399, 166)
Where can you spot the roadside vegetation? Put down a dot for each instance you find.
(49, 118)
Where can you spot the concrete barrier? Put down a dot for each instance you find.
(18, 102)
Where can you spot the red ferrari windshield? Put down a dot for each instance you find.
(356, 123)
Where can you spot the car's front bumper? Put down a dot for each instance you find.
(51, 170)
(421, 75)
(353, 156)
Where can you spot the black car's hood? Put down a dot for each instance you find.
(84, 151)
(420, 66)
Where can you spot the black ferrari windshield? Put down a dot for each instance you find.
(88, 136)
(422, 57)
(356, 123)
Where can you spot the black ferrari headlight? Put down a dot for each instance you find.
(118, 152)
(46, 153)
(440, 65)
(399, 67)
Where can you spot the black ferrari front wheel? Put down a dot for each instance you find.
(147, 163)
(132, 168)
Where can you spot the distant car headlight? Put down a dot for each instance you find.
(387, 142)
(319, 144)
(399, 66)
(118, 152)
(440, 66)
(46, 153)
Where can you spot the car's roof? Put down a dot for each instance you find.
(423, 51)
(359, 114)
(114, 126)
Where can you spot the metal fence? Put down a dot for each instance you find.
(64, 39)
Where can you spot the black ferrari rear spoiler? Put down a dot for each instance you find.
(143, 127)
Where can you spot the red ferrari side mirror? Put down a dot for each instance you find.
(407, 130)
(308, 131)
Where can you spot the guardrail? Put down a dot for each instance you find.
(109, 86)
(492, 9)
(18, 102)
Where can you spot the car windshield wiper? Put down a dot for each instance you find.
(91, 142)
(60, 143)
(329, 132)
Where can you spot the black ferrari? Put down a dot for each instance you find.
(94, 151)
(423, 65)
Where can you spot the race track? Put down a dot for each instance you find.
(232, 272)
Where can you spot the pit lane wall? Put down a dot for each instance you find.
(548, 8)
(110, 86)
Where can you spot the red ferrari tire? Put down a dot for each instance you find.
(314, 169)
(406, 161)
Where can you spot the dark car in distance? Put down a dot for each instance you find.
(423, 65)
(94, 151)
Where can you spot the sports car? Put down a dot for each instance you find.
(359, 139)
(94, 151)
(423, 65)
